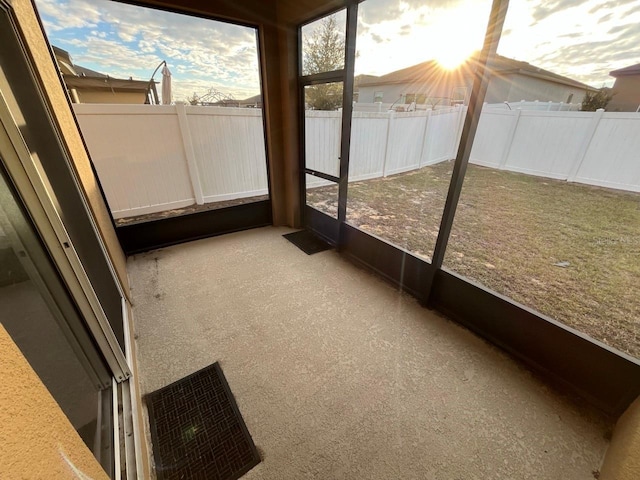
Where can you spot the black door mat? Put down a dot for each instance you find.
(308, 242)
(197, 430)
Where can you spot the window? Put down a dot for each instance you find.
(459, 96)
(409, 98)
(377, 97)
(323, 44)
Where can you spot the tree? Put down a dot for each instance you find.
(323, 51)
(592, 101)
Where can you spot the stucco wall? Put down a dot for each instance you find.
(528, 88)
(626, 95)
(623, 457)
(54, 91)
(36, 439)
(512, 88)
(394, 92)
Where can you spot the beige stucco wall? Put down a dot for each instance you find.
(623, 457)
(523, 87)
(95, 96)
(626, 94)
(55, 94)
(36, 439)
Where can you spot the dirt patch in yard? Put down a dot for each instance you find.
(569, 251)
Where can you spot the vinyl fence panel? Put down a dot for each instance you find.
(153, 158)
(369, 132)
(230, 151)
(613, 157)
(139, 156)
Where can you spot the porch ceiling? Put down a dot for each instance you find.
(339, 375)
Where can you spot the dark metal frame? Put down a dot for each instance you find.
(322, 224)
(142, 237)
(604, 376)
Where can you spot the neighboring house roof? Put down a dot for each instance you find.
(631, 70)
(255, 100)
(77, 76)
(64, 60)
(359, 79)
(498, 66)
(87, 72)
(106, 82)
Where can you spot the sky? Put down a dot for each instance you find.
(127, 41)
(582, 39)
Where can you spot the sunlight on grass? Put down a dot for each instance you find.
(568, 251)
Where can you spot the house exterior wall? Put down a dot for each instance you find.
(626, 94)
(37, 439)
(95, 96)
(394, 92)
(498, 89)
(391, 93)
(622, 461)
(511, 88)
(522, 87)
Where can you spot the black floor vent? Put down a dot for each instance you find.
(197, 430)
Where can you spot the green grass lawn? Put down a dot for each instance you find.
(510, 232)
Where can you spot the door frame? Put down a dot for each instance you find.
(327, 227)
(31, 182)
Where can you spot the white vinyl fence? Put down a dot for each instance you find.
(597, 148)
(152, 158)
(382, 143)
(536, 105)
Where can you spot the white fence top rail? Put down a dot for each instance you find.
(126, 109)
(535, 105)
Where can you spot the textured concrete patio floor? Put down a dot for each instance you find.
(340, 376)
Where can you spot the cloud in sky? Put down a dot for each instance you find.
(127, 41)
(582, 39)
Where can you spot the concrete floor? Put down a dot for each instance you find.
(339, 375)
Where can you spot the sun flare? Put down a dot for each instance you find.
(452, 56)
(458, 38)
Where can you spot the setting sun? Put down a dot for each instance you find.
(420, 33)
(452, 56)
(459, 34)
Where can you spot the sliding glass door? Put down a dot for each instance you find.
(40, 317)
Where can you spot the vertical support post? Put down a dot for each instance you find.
(347, 113)
(425, 135)
(549, 106)
(478, 93)
(391, 118)
(584, 146)
(512, 133)
(189, 153)
(459, 127)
